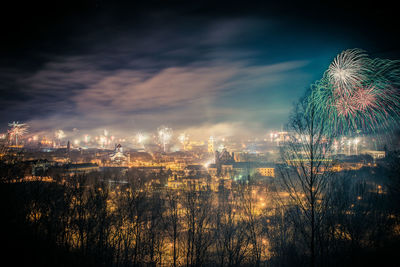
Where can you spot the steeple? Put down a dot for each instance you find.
(69, 151)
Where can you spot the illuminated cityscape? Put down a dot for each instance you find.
(171, 133)
(176, 153)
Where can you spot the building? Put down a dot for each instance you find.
(195, 170)
(151, 169)
(118, 157)
(81, 168)
(268, 170)
(353, 162)
(226, 166)
(375, 154)
(211, 145)
(212, 170)
(40, 166)
(224, 157)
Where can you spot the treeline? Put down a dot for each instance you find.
(87, 222)
(356, 223)
(84, 222)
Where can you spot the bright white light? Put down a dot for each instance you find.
(164, 135)
(141, 138)
(102, 140)
(208, 162)
(182, 138)
(59, 134)
(347, 70)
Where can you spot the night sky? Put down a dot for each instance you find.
(209, 68)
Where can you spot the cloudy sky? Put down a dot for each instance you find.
(204, 67)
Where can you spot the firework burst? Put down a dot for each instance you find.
(141, 138)
(86, 138)
(365, 99)
(17, 130)
(164, 135)
(59, 134)
(347, 70)
(345, 106)
(358, 93)
(182, 138)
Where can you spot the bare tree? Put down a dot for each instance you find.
(232, 242)
(252, 222)
(306, 174)
(198, 221)
(173, 222)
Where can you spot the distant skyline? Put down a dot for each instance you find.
(208, 69)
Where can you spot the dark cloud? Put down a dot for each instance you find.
(200, 65)
(88, 95)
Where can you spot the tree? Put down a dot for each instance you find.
(198, 213)
(306, 174)
(173, 222)
(232, 242)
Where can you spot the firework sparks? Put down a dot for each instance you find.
(182, 138)
(345, 106)
(141, 138)
(86, 138)
(59, 134)
(365, 98)
(358, 93)
(347, 70)
(17, 130)
(102, 141)
(164, 135)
